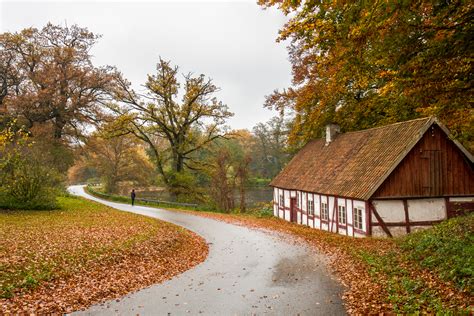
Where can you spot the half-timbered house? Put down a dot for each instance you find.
(384, 181)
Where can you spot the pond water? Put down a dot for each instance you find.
(254, 195)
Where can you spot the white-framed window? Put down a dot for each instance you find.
(358, 218)
(342, 214)
(297, 200)
(310, 207)
(324, 211)
(282, 200)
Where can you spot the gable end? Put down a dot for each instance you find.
(435, 166)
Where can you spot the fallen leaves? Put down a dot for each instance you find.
(61, 261)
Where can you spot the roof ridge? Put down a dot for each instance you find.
(427, 118)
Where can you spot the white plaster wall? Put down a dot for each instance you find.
(462, 199)
(349, 230)
(418, 228)
(377, 231)
(398, 231)
(303, 202)
(350, 219)
(287, 198)
(390, 210)
(310, 223)
(324, 226)
(316, 223)
(293, 193)
(331, 203)
(426, 209)
(275, 199)
(317, 205)
(304, 219)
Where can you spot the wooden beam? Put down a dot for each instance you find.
(403, 224)
(380, 220)
(407, 216)
(368, 217)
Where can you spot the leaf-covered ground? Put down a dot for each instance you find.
(64, 260)
(428, 272)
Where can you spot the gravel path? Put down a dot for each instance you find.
(247, 272)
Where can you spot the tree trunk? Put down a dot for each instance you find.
(58, 127)
(243, 207)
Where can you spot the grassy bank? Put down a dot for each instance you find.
(265, 211)
(84, 252)
(429, 271)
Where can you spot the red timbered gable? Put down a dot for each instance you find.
(434, 167)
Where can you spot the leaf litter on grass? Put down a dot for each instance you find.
(65, 260)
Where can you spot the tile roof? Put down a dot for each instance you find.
(354, 164)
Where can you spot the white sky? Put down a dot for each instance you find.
(233, 42)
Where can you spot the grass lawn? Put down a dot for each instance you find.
(85, 252)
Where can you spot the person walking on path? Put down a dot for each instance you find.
(132, 195)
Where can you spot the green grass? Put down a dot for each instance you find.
(124, 199)
(447, 250)
(261, 210)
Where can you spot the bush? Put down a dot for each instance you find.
(30, 188)
(448, 249)
(26, 180)
(262, 209)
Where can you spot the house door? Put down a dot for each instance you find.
(293, 211)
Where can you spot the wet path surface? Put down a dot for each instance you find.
(247, 272)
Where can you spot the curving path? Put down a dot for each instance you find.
(247, 272)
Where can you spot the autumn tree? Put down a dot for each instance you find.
(270, 147)
(368, 63)
(242, 173)
(117, 160)
(47, 78)
(185, 120)
(229, 169)
(222, 181)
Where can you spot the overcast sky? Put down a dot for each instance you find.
(233, 42)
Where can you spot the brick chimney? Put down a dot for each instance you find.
(331, 131)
